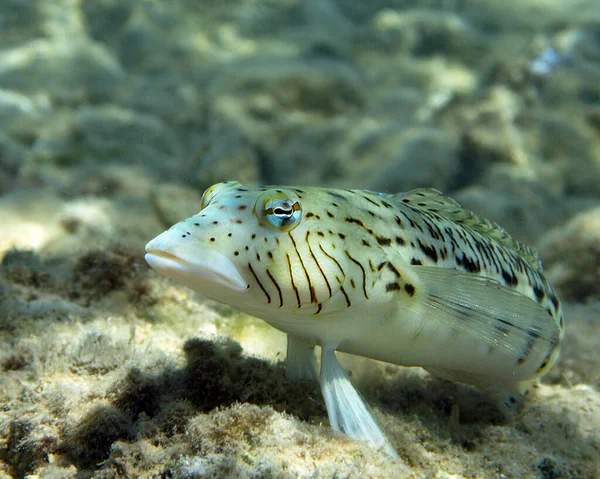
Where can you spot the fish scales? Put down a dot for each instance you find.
(412, 279)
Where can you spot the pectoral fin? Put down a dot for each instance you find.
(486, 309)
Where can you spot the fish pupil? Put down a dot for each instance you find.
(280, 211)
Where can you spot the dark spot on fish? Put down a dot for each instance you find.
(554, 300)
(242, 207)
(321, 234)
(410, 289)
(238, 221)
(472, 266)
(246, 248)
(429, 251)
(405, 200)
(212, 240)
(400, 241)
(342, 236)
(381, 266)
(270, 255)
(352, 283)
(393, 269)
(544, 364)
(562, 322)
(416, 262)
(257, 257)
(238, 196)
(366, 243)
(309, 215)
(330, 215)
(215, 223)
(183, 236)
(509, 279)
(253, 236)
(335, 204)
(355, 221)
(236, 253)
(539, 293)
(196, 224)
(386, 204)
(399, 221)
(343, 291)
(383, 241)
(392, 287)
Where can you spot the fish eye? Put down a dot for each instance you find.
(211, 192)
(278, 210)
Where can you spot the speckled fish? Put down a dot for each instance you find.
(412, 279)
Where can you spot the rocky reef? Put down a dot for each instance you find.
(115, 116)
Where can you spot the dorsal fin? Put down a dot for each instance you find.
(432, 200)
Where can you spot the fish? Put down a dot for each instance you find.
(412, 279)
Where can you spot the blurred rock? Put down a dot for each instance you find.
(523, 207)
(67, 71)
(488, 135)
(571, 255)
(167, 95)
(309, 156)
(228, 156)
(570, 163)
(17, 109)
(106, 19)
(425, 33)
(172, 203)
(108, 134)
(20, 20)
(268, 99)
(426, 157)
(12, 156)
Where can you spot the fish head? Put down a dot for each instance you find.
(262, 250)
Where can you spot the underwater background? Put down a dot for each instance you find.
(115, 115)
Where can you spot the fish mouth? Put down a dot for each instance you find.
(197, 266)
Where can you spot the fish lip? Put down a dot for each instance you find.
(214, 267)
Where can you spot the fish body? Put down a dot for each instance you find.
(412, 279)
